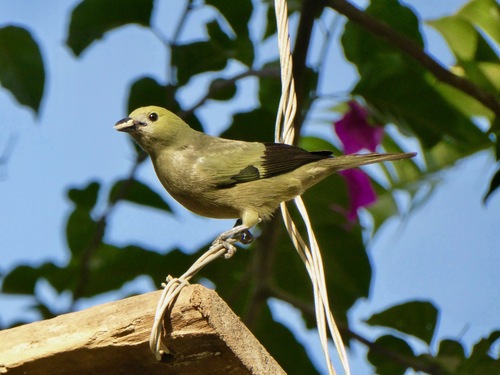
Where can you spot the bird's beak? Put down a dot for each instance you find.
(128, 125)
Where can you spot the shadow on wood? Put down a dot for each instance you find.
(204, 336)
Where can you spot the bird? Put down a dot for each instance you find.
(232, 179)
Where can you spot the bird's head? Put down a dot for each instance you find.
(152, 127)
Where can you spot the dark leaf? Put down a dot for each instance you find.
(21, 66)
(238, 48)
(81, 231)
(483, 359)
(112, 267)
(416, 318)
(208, 55)
(62, 278)
(136, 192)
(270, 90)
(90, 19)
(451, 348)
(494, 184)
(395, 345)
(236, 13)
(450, 356)
(85, 198)
(270, 22)
(483, 347)
(147, 91)
(256, 125)
(398, 89)
(346, 264)
(222, 89)
(282, 344)
(347, 267)
(21, 280)
(45, 310)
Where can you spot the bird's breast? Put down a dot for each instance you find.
(189, 183)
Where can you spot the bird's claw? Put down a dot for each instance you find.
(222, 241)
(239, 233)
(246, 237)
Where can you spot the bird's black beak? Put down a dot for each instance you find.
(128, 125)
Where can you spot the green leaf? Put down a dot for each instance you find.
(90, 19)
(464, 103)
(21, 66)
(282, 344)
(236, 13)
(238, 48)
(416, 318)
(450, 356)
(317, 144)
(85, 198)
(485, 14)
(483, 346)
(209, 56)
(494, 184)
(460, 35)
(147, 91)
(270, 22)
(137, 192)
(222, 89)
(111, 267)
(270, 89)
(398, 89)
(395, 345)
(483, 359)
(254, 126)
(347, 267)
(21, 280)
(81, 230)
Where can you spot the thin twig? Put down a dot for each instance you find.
(262, 270)
(310, 10)
(227, 82)
(98, 235)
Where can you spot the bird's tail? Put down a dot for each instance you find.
(356, 160)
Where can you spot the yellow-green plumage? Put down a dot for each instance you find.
(225, 179)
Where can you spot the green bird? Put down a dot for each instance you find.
(225, 179)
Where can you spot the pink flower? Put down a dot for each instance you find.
(360, 190)
(355, 132)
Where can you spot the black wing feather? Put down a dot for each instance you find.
(281, 158)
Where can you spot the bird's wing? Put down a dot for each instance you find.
(239, 162)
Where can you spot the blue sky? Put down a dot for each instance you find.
(446, 252)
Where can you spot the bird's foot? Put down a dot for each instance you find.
(239, 233)
(246, 237)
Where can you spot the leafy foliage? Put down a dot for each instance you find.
(92, 18)
(393, 85)
(21, 66)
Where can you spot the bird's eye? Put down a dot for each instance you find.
(153, 116)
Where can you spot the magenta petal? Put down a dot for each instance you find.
(355, 132)
(360, 190)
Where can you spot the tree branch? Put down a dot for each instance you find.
(267, 72)
(98, 235)
(416, 52)
(310, 10)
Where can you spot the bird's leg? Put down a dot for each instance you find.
(246, 235)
